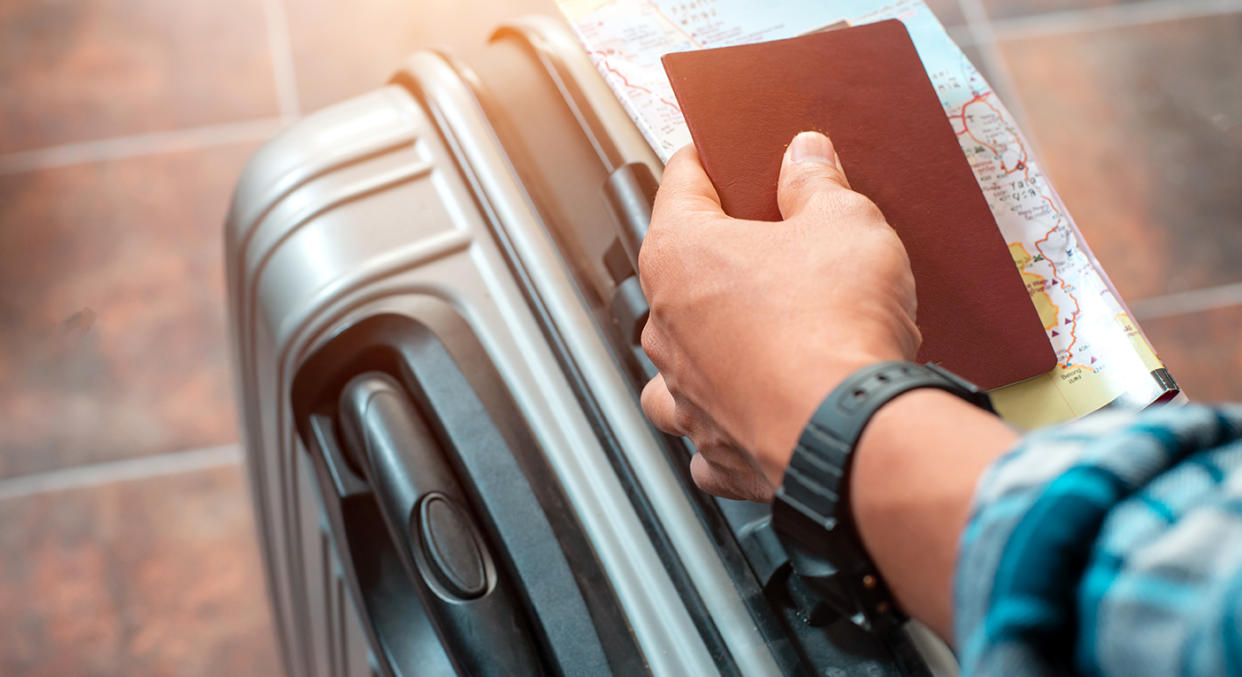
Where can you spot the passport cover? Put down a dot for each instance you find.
(866, 88)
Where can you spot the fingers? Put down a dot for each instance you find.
(653, 343)
(712, 479)
(719, 467)
(685, 186)
(810, 168)
(659, 406)
(685, 200)
(729, 477)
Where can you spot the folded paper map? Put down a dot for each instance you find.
(1102, 356)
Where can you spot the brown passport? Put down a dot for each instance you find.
(867, 89)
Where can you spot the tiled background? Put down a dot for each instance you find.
(127, 541)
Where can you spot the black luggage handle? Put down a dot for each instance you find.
(473, 610)
(458, 561)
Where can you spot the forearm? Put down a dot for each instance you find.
(913, 477)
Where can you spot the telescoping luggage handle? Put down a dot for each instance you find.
(475, 613)
(630, 192)
(445, 544)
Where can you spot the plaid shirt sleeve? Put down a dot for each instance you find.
(1108, 546)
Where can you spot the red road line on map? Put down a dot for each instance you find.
(966, 126)
(1069, 350)
(624, 80)
(1024, 163)
(1018, 139)
(603, 60)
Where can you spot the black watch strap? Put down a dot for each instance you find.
(811, 508)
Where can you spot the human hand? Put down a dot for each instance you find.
(753, 323)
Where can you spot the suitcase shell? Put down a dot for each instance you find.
(470, 199)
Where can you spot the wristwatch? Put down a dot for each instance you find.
(810, 512)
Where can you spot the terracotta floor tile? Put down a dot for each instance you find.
(1140, 129)
(77, 70)
(342, 49)
(999, 9)
(150, 577)
(1202, 352)
(112, 334)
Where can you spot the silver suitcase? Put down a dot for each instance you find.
(435, 318)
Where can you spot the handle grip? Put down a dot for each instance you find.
(472, 607)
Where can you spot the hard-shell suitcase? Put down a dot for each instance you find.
(435, 316)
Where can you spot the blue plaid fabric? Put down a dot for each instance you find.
(1108, 546)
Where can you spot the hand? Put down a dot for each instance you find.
(753, 323)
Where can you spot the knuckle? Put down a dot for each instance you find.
(836, 175)
(650, 342)
(647, 398)
(657, 308)
(706, 476)
(850, 201)
(655, 255)
(799, 183)
(648, 257)
(814, 179)
(852, 204)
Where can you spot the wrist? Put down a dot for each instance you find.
(881, 482)
(896, 443)
(812, 512)
(910, 490)
(781, 419)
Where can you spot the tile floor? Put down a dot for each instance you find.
(128, 545)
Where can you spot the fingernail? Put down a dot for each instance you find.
(812, 147)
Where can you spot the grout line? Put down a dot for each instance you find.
(140, 144)
(281, 48)
(109, 472)
(1114, 16)
(1185, 303)
(997, 72)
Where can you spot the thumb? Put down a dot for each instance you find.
(810, 167)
